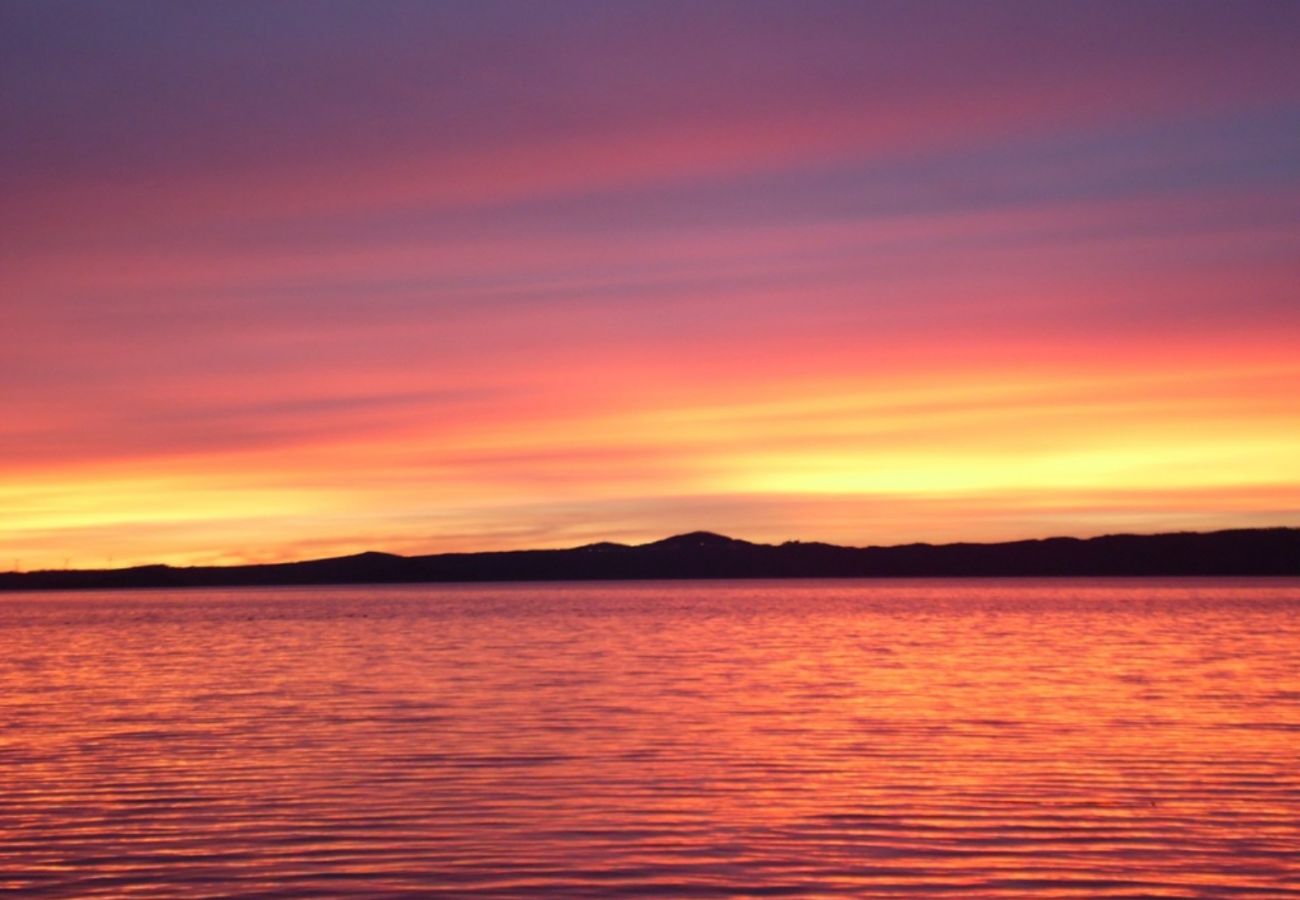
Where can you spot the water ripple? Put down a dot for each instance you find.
(831, 739)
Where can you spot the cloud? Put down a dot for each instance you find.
(281, 275)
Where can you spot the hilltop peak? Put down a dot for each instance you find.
(364, 556)
(601, 547)
(697, 539)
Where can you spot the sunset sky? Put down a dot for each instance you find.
(283, 280)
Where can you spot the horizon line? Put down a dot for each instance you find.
(701, 534)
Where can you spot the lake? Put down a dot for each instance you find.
(1043, 738)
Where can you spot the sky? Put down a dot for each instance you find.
(298, 279)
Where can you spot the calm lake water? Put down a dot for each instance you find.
(1053, 738)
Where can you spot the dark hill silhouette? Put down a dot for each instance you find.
(702, 554)
(698, 539)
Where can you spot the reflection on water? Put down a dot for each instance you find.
(1002, 738)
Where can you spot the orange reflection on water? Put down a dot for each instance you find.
(1045, 738)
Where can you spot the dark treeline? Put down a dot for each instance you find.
(1264, 551)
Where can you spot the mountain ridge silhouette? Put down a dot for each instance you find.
(704, 554)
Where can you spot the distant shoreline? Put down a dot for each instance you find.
(703, 555)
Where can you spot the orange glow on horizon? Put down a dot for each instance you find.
(1038, 455)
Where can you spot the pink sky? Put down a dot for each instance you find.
(305, 279)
